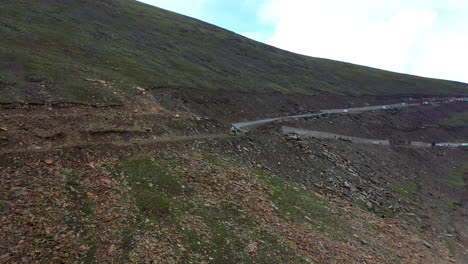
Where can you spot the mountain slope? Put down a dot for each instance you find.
(129, 185)
(100, 51)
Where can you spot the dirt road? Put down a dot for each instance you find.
(45, 132)
(245, 125)
(325, 135)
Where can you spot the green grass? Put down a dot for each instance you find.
(454, 204)
(160, 190)
(405, 188)
(457, 179)
(90, 257)
(384, 210)
(84, 204)
(448, 243)
(457, 120)
(128, 44)
(259, 172)
(156, 189)
(152, 186)
(71, 178)
(211, 158)
(298, 205)
(232, 230)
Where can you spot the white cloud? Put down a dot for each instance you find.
(427, 38)
(444, 55)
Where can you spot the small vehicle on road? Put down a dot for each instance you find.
(233, 131)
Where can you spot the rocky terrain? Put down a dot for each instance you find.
(114, 147)
(443, 123)
(138, 184)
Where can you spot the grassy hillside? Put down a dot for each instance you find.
(194, 208)
(101, 51)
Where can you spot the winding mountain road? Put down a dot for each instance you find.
(245, 126)
(325, 135)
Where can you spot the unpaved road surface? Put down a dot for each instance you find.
(245, 125)
(326, 135)
(30, 130)
(249, 125)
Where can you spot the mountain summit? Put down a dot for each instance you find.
(102, 51)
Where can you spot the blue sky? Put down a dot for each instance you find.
(240, 16)
(421, 37)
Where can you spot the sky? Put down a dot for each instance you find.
(420, 37)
